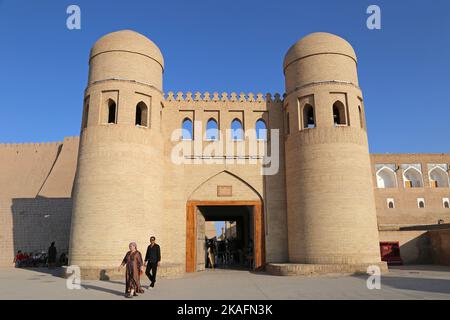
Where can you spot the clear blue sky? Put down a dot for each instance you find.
(211, 45)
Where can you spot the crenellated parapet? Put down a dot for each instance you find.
(30, 145)
(223, 97)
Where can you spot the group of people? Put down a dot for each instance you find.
(134, 267)
(228, 252)
(40, 259)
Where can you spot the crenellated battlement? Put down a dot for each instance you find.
(24, 145)
(216, 97)
(29, 144)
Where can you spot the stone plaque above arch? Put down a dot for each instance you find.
(225, 185)
(224, 191)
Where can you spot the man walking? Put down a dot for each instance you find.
(152, 258)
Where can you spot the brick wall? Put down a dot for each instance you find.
(440, 241)
(35, 196)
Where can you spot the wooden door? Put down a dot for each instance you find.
(259, 240)
(191, 237)
(191, 231)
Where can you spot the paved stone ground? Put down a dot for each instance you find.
(412, 282)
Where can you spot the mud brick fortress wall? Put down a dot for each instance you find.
(406, 221)
(329, 203)
(36, 196)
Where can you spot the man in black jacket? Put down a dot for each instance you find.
(152, 258)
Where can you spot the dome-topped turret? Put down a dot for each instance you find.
(126, 55)
(319, 57)
(128, 41)
(318, 43)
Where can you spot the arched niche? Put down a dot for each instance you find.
(386, 178)
(412, 178)
(438, 178)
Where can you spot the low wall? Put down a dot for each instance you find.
(32, 224)
(297, 269)
(415, 246)
(165, 270)
(440, 242)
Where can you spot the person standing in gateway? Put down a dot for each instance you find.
(51, 258)
(152, 259)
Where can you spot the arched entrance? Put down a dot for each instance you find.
(257, 219)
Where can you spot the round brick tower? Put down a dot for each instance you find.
(331, 208)
(119, 173)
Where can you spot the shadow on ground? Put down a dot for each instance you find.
(97, 288)
(55, 272)
(418, 284)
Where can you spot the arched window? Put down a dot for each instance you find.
(212, 130)
(446, 204)
(308, 117)
(86, 116)
(112, 111)
(187, 129)
(361, 118)
(412, 178)
(288, 125)
(261, 130)
(386, 178)
(237, 132)
(141, 114)
(339, 114)
(421, 203)
(438, 178)
(391, 204)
